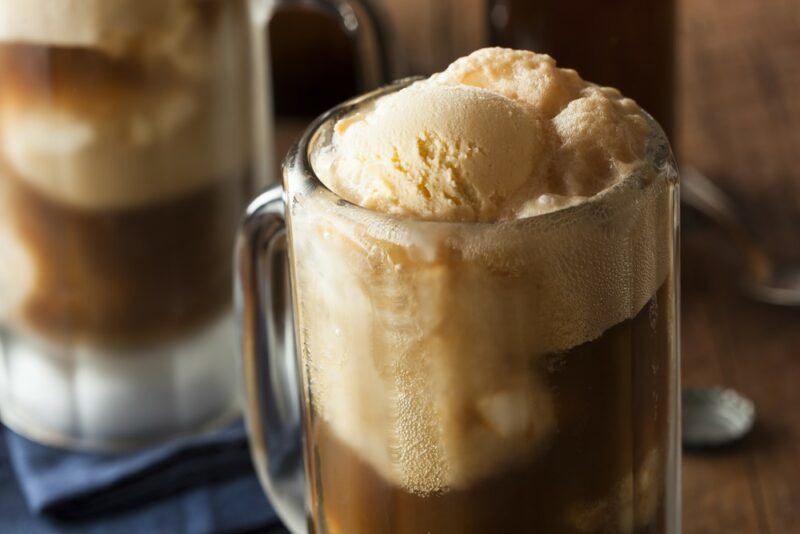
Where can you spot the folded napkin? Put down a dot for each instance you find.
(205, 483)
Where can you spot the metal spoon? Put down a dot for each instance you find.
(714, 417)
(765, 279)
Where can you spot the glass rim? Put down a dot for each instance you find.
(297, 165)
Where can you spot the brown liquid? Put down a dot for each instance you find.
(627, 44)
(613, 411)
(128, 276)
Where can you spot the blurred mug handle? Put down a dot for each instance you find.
(359, 21)
(269, 364)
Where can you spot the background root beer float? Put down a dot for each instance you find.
(125, 160)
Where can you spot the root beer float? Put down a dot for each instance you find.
(485, 301)
(125, 160)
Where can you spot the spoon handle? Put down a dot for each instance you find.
(699, 192)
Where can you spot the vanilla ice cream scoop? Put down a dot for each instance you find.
(436, 152)
(500, 134)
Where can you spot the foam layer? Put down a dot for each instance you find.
(115, 27)
(423, 341)
(485, 140)
(149, 150)
(165, 115)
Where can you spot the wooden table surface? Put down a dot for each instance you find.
(739, 121)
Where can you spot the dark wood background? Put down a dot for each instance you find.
(739, 121)
(739, 106)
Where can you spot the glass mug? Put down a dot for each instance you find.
(463, 377)
(460, 377)
(127, 155)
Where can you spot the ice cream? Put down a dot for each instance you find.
(501, 134)
(438, 152)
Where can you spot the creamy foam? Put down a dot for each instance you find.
(174, 121)
(423, 341)
(116, 27)
(150, 150)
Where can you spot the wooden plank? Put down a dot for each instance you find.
(766, 367)
(739, 120)
(720, 492)
(739, 116)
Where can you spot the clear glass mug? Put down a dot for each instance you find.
(132, 135)
(503, 377)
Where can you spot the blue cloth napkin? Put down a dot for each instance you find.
(193, 485)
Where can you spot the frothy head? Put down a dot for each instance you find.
(500, 134)
(115, 27)
(119, 104)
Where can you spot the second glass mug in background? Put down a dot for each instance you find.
(132, 134)
(459, 377)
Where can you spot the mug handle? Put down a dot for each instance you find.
(269, 363)
(363, 26)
